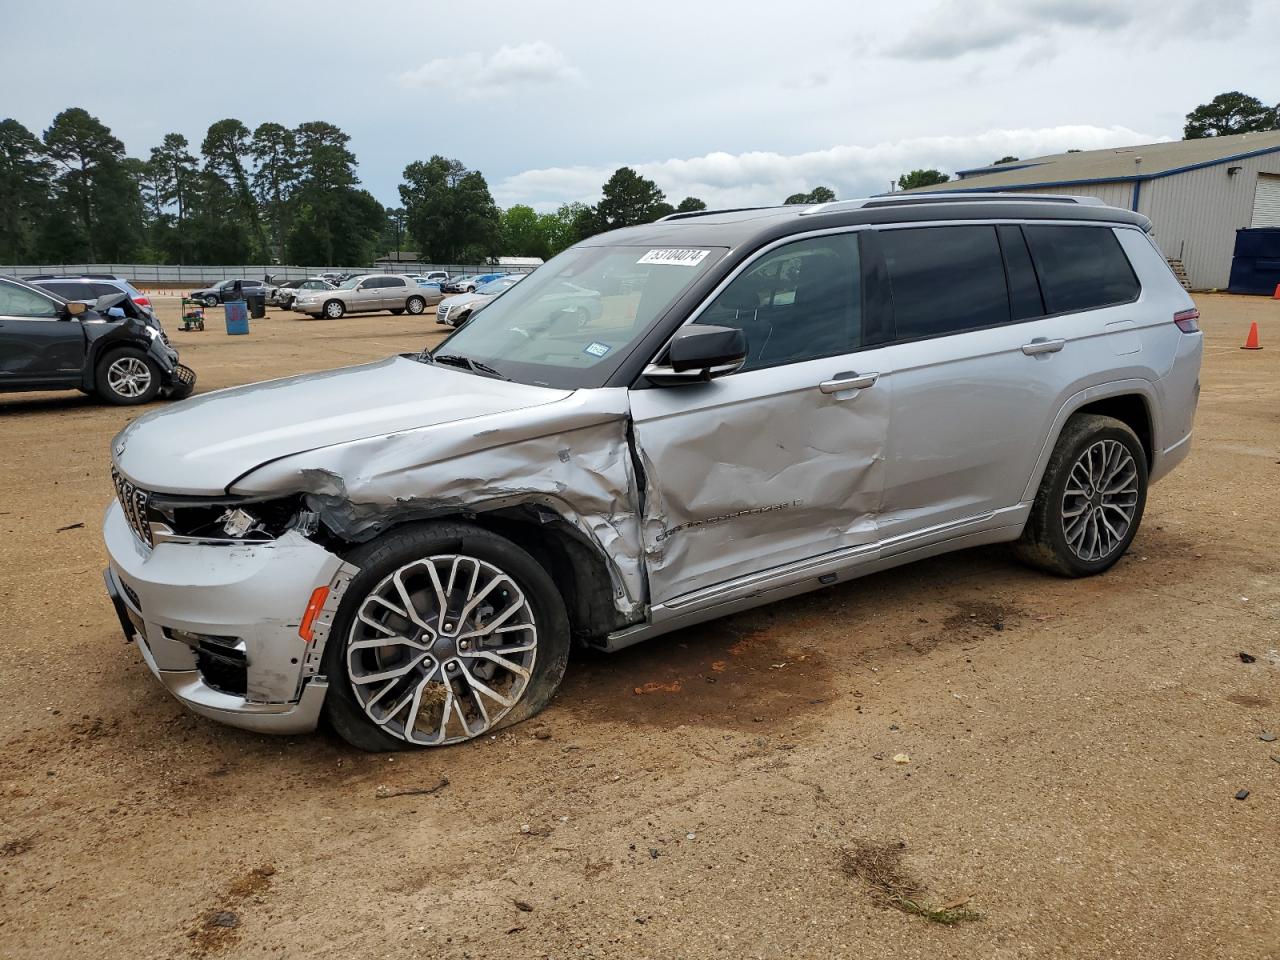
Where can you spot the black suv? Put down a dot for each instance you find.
(112, 348)
(221, 292)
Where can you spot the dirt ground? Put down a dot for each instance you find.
(1073, 748)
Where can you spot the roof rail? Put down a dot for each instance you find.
(906, 199)
(687, 214)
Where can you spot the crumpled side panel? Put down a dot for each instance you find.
(582, 471)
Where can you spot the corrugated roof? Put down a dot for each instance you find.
(1118, 163)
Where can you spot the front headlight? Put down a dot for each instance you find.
(230, 519)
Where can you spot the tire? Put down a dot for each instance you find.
(127, 377)
(288, 304)
(415, 672)
(415, 305)
(470, 288)
(1077, 529)
(210, 301)
(334, 309)
(181, 392)
(396, 311)
(459, 320)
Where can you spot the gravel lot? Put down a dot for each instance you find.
(1075, 747)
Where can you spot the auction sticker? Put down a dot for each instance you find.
(675, 258)
(597, 349)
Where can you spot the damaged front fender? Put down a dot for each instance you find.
(571, 457)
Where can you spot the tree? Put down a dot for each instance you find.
(450, 210)
(690, 205)
(921, 178)
(1228, 113)
(816, 195)
(334, 223)
(275, 151)
(1005, 160)
(524, 233)
(225, 148)
(628, 199)
(94, 184)
(25, 184)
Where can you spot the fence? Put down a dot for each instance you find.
(149, 273)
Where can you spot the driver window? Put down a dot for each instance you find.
(18, 302)
(800, 302)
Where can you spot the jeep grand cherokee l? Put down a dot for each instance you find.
(770, 401)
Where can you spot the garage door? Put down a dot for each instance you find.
(1266, 201)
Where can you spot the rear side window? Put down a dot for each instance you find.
(945, 279)
(1080, 268)
(81, 291)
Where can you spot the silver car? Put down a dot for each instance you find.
(456, 310)
(769, 402)
(368, 294)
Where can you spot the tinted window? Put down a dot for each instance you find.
(1080, 267)
(1024, 290)
(80, 291)
(800, 302)
(945, 279)
(394, 282)
(18, 301)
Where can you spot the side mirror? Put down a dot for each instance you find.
(698, 353)
(75, 308)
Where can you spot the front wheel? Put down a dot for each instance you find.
(334, 309)
(1090, 501)
(415, 305)
(447, 633)
(210, 301)
(127, 377)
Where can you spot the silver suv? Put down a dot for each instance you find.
(769, 401)
(367, 294)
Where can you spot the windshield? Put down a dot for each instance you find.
(350, 284)
(494, 287)
(571, 322)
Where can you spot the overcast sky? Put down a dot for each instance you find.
(736, 101)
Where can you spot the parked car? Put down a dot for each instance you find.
(113, 348)
(368, 294)
(468, 284)
(224, 290)
(456, 310)
(284, 295)
(779, 400)
(91, 286)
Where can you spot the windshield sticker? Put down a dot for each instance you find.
(675, 258)
(597, 349)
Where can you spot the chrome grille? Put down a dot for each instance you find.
(443, 312)
(134, 502)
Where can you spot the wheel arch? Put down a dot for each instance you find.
(1132, 402)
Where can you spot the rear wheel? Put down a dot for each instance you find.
(334, 309)
(415, 305)
(127, 377)
(1090, 502)
(447, 633)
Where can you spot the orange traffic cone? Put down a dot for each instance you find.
(1276, 295)
(1251, 341)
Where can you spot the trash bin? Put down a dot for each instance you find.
(237, 316)
(257, 304)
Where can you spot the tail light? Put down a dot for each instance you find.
(143, 302)
(1188, 321)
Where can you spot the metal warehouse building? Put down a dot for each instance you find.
(1196, 192)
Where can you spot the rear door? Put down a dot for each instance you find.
(976, 367)
(38, 343)
(395, 292)
(783, 460)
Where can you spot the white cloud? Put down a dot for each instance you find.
(761, 178)
(509, 69)
(951, 29)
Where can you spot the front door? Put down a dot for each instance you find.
(38, 343)
(783, 460)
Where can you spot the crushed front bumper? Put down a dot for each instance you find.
(218, 623)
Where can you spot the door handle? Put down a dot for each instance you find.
(848, 381)
(1042, 345)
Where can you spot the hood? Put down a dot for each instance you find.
(201, 445)
(462, 299)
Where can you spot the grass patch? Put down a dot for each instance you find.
(879, 867)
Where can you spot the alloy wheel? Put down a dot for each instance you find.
(1100, 500)
(442, 649)
(129, 377)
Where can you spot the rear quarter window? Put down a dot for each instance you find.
(1080, 268)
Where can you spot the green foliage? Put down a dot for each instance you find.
(524, 233)
(816, 195)
(628, 199)
(1006, 159)
(1228, 113)
(450, 211)
(690, 205)
(26, 177)
(921, 178)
